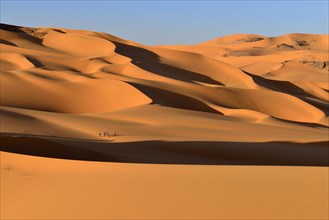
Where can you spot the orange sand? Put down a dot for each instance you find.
(221, 105)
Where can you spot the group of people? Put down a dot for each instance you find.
(107, 134)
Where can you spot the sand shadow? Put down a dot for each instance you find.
(7, 43)
(162, 152)
(173, 99)
(150, 61)
(289, 88)
(35, 62)
(18, 30)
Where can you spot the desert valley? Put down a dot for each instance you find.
(94, 126)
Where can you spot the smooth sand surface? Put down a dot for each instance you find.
(232, 128)
(43, 188)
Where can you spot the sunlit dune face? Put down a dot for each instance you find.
(238, 100)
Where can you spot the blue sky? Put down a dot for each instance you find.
(172, 22)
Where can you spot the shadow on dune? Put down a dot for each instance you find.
(161, 152)
(172, 99)
(150, 61)
(306, 124)
(18, 30)
(289, 88)
(35, 62)
(7, 43)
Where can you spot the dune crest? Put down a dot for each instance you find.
(98, 127)
(78, 83)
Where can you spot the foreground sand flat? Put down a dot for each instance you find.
(44, 188)
(232, 128)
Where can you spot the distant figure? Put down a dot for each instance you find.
(107, 134)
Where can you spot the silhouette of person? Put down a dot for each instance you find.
(100, 134)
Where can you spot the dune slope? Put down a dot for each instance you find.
(235, 100)
(77, 84)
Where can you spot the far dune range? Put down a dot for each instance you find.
(94, 126)
(242, 89)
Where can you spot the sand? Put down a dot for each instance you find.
(43, 188)
(232, 128)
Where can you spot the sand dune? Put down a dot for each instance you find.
(243, 99)
(160, 152)
(80, 72)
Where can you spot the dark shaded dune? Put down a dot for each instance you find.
(289, 88)
(173, 99)
(306, 124)
(7, 43)
(43, 76)
(324, 107)
(161, 152)
(28, 33)
(11, 28)
(249, 40)
(150, 61)
(50, 148)
(283, 45)
(5, 113)
(276, 85)
(34, 61)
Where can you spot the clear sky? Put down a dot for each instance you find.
(172, 22)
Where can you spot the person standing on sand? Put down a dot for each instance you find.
(100, 134)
